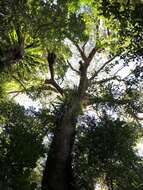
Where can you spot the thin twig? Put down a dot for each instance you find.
(119, 70)
(15, 95)
(15, 91)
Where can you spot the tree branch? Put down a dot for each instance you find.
(72, 67)
(92, 100)
(102, 67)
(51, 61)
(91, 55)
(81, 53)
(88, 59)
(106, 80)
(55, 85)
(83, 47)
(112, 100)
(118, 70)
(16, 93)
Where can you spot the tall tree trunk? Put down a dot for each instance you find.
(57, 174)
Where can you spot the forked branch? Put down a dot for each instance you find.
(81, 53)
(86, 59)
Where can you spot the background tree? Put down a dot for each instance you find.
(105, 151)
(21, 145)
